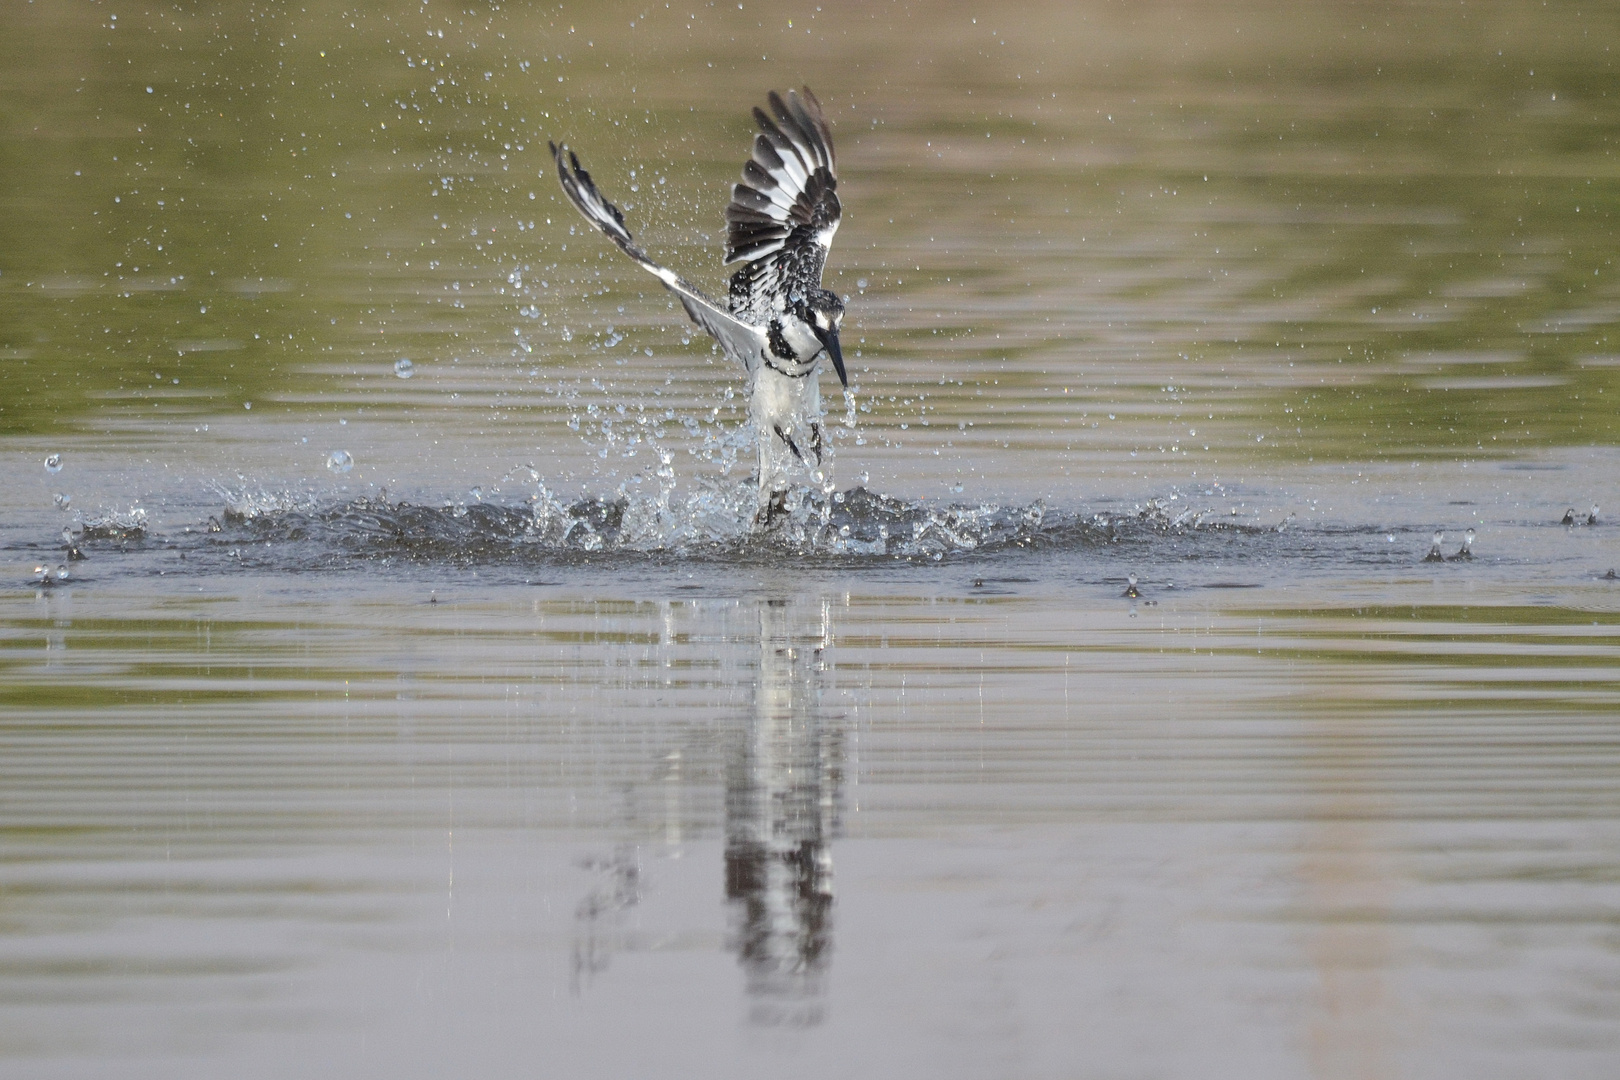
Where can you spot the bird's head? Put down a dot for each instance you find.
(824, 311)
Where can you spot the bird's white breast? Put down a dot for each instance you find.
(780, 402)
(783, 400)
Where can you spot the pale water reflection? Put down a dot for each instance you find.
(782, 813)
(399, 834)
(782, 774)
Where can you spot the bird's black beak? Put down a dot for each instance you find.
(830, 339)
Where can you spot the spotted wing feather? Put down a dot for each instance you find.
(784, 213)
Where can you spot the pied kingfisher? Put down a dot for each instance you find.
(778, 320)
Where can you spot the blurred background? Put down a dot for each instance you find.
(1314, 231)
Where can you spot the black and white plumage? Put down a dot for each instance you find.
(777, 320)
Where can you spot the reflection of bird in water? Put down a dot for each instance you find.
(599, 918)
(782, 793)
(778, 320)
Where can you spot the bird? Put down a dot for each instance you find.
(777, 321)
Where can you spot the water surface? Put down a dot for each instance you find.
(409, 694)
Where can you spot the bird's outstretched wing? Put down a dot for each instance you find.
(783, 215)
(741, 341)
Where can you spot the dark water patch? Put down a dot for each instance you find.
(850, 528)
(853, 527)
(1007, 546)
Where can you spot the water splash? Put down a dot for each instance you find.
(1466, 552)
(1435, 554)
(120, 525)
(70, 543)
(711, 518)
(245, 505)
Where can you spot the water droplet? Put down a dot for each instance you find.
(1131, 578)
(1463, 553)
(53, 463)
(404, 368)
(1434, 554)
(339, 461)
(62, 501)
(247, 404)
(860, 283)
(62, 572)
(478, 494)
